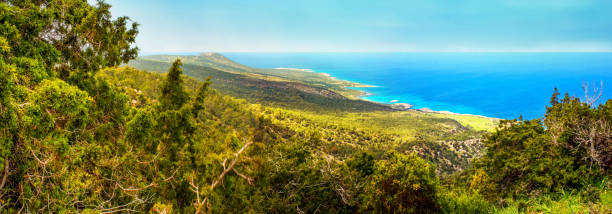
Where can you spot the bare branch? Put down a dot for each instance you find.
(199, 204)
(119, 211)
(249, 179)
(231, 166)
(6, 173)
(134, 189)
(591, 100)
(44, 163)
(122, 208)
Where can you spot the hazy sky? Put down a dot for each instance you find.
(377, 25)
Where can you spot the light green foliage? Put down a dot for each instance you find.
(564, 202)
(463, 202)
(139, 130)
(440, 140)
(478, 123)
(64, 105)
(401, 184)
(8, 111)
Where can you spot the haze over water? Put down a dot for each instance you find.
(502, 85)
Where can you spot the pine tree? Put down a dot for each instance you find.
(173, 94)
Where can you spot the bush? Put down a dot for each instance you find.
(464, 202)
(401, 184)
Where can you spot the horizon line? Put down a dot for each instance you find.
(200, 52)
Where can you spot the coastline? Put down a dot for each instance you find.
(423, 109)
(344, 83)
(394, 103)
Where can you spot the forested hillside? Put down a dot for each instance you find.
(441, 140)
(80, 134)
(258, 87)
(222, 63)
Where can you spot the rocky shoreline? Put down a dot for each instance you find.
(393, 104)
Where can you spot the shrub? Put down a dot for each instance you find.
(401, 184)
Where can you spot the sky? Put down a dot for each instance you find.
(370, 26)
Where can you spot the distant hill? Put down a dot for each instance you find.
(278, 87)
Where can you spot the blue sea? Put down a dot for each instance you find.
(502, 85)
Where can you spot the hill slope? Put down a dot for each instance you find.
(445, 141)
(287, 88)
(283, 88)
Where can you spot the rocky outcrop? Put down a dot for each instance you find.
(401, 106)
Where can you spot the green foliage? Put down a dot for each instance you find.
(441, 140)
(55, 135)
(173, 94)
(299, 179)
(401, 184)
(520, 160)
(525, 158)
(363, 163)
(576, 126)
(581, 201)
(198, 103)
(139, 130)
(464, 202)
(58, 105)
(73, 38)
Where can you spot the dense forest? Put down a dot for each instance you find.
(83, 131)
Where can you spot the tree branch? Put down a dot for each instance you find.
(6, 172)
(249, 179)
(221, 176)
(231, 166)
(591, 100)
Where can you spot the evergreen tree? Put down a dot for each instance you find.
(173, 94)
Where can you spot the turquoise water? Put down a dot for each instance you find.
(503, 85)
